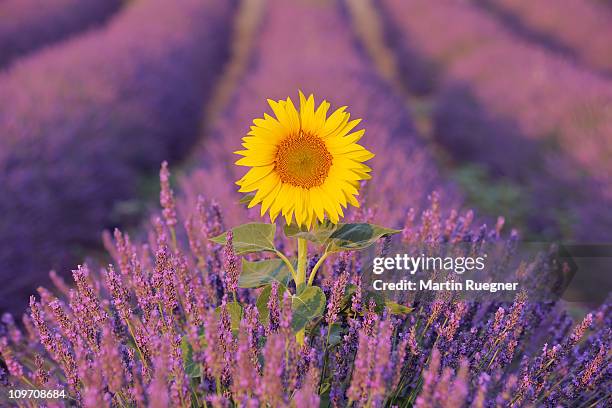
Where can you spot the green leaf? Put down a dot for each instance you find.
(348, 237)
(324, 392)
(235, 311)
(262, 302)
(300, 288)
(246, 199)
(192, 369)
(251, 237)
(336, 332)
(396, 308)
(350, 290)
(378, 299)
(306, 306)
(259, 273)
(319, 233)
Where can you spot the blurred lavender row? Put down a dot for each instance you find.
(83, 121)
(577, 28)
(321, 56)
(26, 25)
(522, 111)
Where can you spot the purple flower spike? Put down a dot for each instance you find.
(231, 264)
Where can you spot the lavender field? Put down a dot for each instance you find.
(28, 25)
(553, 129)
(83, 121)
(136, 274)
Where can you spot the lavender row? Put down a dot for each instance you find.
(156, 329)
(578, 29)
(26, 25)
(320, 56)
(82, 122)
(522, 111)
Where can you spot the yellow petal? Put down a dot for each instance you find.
(307, 113)
(266, 186)
(253, 176)
(256, 160)
(293, 116)
(281, 114)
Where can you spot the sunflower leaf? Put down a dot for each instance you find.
(397, 309)
(247, 198)
(235, 311)
(260, 273)
(251, 237)
(192, 368)
(319, 233)
(336, 332)
(351, 237)
(306, 306)
(262, 302)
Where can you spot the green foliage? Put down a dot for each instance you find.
(192, 369)
(396, 308)
(251, 237)
(247, 198)
(262, 302)
(260, 273)
(341, 237)
(319, 234)
(306, 306)
(336, 332)
(308, 303)
(351, 237)
(493, 196)
(235, 311)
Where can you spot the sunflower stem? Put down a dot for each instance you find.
(315, 268)
(301, 278)
(288, 263)
(301, 263)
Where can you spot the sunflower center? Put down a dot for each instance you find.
(303, 160)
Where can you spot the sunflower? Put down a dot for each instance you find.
(303, 163)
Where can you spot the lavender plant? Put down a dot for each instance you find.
(160, 327)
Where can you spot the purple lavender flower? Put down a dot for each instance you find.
(157, 393)
(271, 387)
(231, 264)
(166, 196)
(119, 293)
(14, 367)
(213, 356)
(273, 309)
(426, 397)
(245, 374)
(308, 395)
(356, 299)
(333, 306)
(110, 361)
(361, 371)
